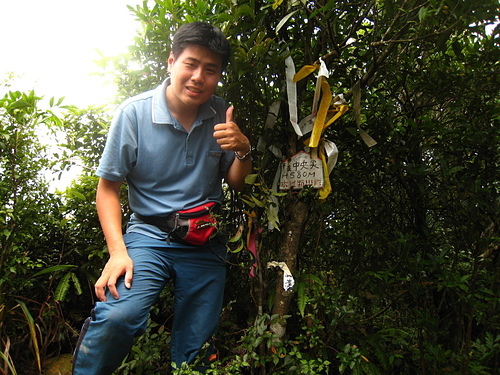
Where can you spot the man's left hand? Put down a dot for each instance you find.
(229, 135)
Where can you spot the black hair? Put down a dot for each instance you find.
(205, 35)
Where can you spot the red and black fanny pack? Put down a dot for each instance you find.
(194, 226)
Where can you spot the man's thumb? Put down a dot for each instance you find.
(128, 278)
(229, 114)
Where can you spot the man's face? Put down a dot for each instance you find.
(194, 76)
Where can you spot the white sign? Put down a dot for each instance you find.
(301, 170)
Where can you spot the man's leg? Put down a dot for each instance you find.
(199, 290)
(108, 335)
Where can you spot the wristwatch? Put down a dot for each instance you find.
(245, 157)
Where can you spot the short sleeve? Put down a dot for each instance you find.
(120, 153)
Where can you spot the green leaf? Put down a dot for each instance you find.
(245, 10)
(78, 195)
(272, 217)
(258, 202)
(277, 3)
(302, 298)
(251, 178)
(284, 20)
(62, 287)
(422, 13)
(240, 247)
(60, 267)
(248, 202)
(9, 363)
(31, 325)
(237, 236)
(77, 284)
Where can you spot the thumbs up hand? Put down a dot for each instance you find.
(229, 135)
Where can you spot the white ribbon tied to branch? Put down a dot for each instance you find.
(288, 280)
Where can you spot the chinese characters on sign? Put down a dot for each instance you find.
(301, 170)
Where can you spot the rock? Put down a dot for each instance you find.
(61, 365)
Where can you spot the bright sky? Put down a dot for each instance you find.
(53, 43)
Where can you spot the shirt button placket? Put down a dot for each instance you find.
(189, 156)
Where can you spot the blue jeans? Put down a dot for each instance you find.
(199, 275)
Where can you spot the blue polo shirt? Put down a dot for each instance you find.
(166, 168)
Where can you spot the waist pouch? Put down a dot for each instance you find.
(194, 226)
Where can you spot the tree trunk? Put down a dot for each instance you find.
(295, 219)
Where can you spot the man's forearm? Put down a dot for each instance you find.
(110, 214)
(237, 172)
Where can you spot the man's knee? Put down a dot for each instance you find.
(122, 320)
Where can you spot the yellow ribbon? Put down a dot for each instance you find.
(327, 186)
(326, 100)
(304, 72)
(340, 109)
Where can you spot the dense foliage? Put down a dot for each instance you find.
(397, 271)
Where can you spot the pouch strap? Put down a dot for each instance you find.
(164, 223)
(168, 223)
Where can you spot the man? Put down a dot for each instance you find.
(173, 145)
